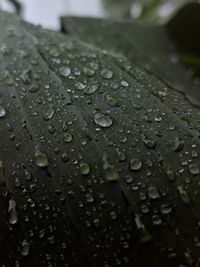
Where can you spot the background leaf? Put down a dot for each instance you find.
(147, 45)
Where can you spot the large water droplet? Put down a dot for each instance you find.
(103, 120)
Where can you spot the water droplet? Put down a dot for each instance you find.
(135, 164)
(103, 120)
(144, 234)
(165, 209)
(112, 101)
(156, 220)
(26, 77)
(33, 88)
(91, 89)
(106, 74)
(54, 52)
(194, 169)
(41, 159)
(2, 112)
(87, 134)
(121, 156)
(49, 114)
(8, 78)
(64, 71)
(67, 137)
(89, 198)
(25, 248)
(183, 194)
(111, 172)
(88, 72)
(178, 144)
(12, 210)
(153, 192)
(80, 86)
(84, 168)
(149, 143)
(68, 45)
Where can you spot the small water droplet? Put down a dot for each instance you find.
(2, 112)
(67, 137)
(49, 114)
(194, 169)
(8, 78)
(84, 168)
(183, 194)
(88, 72)
(106, 74)
(178, 144)
(26, 77)
(91, 89)
(12, 210)
(64, 71)
(135, 164)
(25, 248)
(111, 172)
(41, 159)
(153, 192)
(112, 101)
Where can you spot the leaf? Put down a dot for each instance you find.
(83, 181)
(147, 45)
(184, 31)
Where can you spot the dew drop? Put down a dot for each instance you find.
(8, 78)
(112, 101)
(106, 74)
(135, 164)
(111, 172)
(67, 137)
(41, 159)
(194, 169)
(2, 112)
(64, 71)
(84, 168)
(25, 248)
(103, 120)
(12, 210)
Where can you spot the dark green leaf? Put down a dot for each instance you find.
(84, 182)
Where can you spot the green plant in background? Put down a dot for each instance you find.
(144, 9)
(16, 5)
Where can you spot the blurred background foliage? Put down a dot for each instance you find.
(153, 10)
